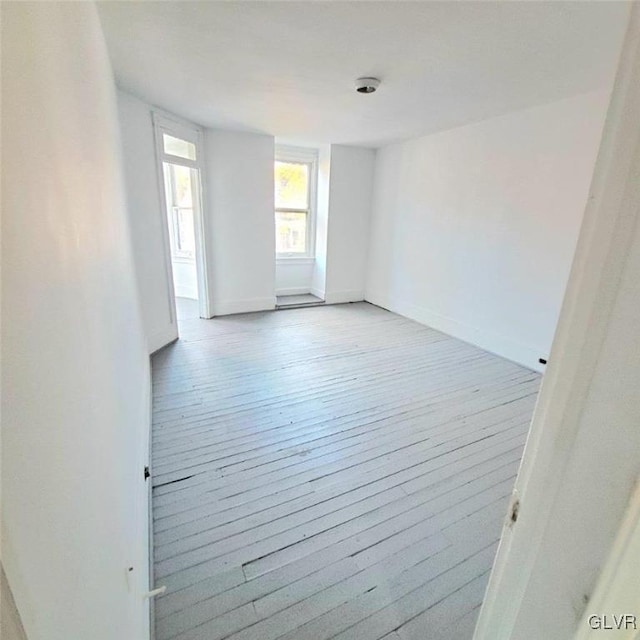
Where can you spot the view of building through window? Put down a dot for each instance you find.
(292, 207)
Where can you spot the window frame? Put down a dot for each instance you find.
(174, 236)
(300, 155)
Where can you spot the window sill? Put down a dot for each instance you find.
(295, 260)
(182, 260)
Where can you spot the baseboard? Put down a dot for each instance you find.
(248, 305)
(340, 297)
(518, 352)
(317, 293)
(293, 291)
(162, 338)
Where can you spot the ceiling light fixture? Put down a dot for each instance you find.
(367, 85)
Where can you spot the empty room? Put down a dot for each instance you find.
(319, 320)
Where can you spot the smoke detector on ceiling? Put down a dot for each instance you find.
(367, 85)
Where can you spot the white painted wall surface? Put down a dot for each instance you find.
(294, 276)
(75, 384)
(240, 218)
(349, 218)
(146, 218)
(474, 229)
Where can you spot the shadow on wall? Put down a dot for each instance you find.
(10, 624)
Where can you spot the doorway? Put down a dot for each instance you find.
(179, 153)
(179, 186)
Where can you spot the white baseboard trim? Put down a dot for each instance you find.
(248, 305)
(340, 297)
(293, 291)
(162, 338)
(518, 352)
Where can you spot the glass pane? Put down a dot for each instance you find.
(186, 235)
(291, 232)
(292, 185)
(178, 189)
(178, 147)
(183, 193)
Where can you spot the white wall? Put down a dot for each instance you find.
(474, 229)
(350, 192)
(146, 219)
(294, 276)
(240, 218)
(75, 385)
(582, 464)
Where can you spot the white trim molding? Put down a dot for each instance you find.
(342, 297)
(290, 260)
(174, 126)
(617, 592)
(247, 305)
(567, 434)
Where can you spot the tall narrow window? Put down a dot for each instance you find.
(179, 152)
(178, 181)
(294, 179)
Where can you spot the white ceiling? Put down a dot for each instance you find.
(288, 68)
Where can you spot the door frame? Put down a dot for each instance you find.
(173, 126)
(601, 256)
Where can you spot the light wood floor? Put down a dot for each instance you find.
(329, 472)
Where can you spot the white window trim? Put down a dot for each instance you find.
(285, 153)
(296, 258)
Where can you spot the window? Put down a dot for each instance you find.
(179, 193)
(179, 148)
(179, 157)
(294, 192)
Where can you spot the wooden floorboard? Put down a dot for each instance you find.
(329, 472)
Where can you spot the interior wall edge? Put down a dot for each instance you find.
(162, 338)
(317, 292)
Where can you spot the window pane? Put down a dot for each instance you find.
(178, 147)
(183, 192)
(291, 232)
(178, 183)
(292, 185)
(186, 236)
